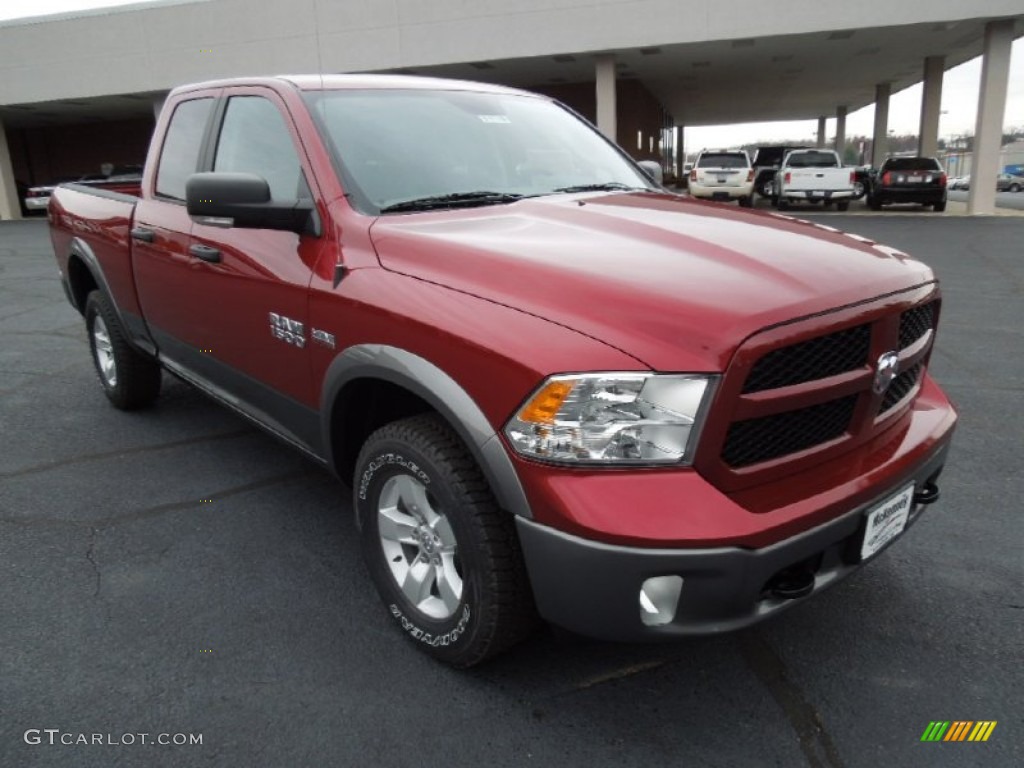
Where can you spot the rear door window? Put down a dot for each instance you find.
(179, 157)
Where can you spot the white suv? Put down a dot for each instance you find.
(723, 174)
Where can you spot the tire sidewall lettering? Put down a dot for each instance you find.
(429, 638)
(389, 459)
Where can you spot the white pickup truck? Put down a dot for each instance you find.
(813, 176)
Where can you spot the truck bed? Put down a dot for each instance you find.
(96, 223)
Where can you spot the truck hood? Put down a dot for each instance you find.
(675, 283)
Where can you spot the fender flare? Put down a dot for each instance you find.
(82, 250)
(444, 394)
(134, 326)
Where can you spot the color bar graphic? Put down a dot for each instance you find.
(958, 730)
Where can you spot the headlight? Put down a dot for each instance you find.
(612, 418)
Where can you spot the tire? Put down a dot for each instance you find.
(1014, 188)
(129, 379)
(766, 188)
(826, 204)
(843, 205)
(858, 190)
(939, 207)
(874, 204)
(782, 204)
(747, 202)
(428, 520)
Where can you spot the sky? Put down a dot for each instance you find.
(959, 94)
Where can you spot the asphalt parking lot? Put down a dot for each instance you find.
(176, 571)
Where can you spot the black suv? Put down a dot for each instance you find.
(908, 180)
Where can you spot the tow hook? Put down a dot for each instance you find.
(792, 583)
(928, 494)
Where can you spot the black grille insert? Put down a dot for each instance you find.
(900, 388)
(817, 358)
(756, 440)
(915, 323)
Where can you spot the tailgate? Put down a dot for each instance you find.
(722, 177)
(820, 179)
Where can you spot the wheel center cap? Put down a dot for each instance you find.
(427, 541)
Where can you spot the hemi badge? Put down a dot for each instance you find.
(325, 338)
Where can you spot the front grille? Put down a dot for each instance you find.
(756, 440)
(900, 388)
(817, 358)
(915, 323)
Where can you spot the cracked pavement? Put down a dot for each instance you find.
(175, 570)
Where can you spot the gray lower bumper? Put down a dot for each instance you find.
(594, 589)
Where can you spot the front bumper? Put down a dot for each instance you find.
(593, 588)
(37, 203)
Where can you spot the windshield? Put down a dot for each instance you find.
(813, 160)
(911, 164)
(396, 146)
(723, 160)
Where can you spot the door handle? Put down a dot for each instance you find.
(142, 234)
(205, 252)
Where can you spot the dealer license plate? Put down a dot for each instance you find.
(886, 521)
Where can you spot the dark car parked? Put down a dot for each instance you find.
(908, 180)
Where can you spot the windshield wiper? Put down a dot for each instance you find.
(453, 200)
(606, 186)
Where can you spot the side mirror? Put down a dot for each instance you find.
(243, 200)
(653, 170)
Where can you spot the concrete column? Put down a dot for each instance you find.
(9, 206)
(840, 130)
(680, 152)
(607, 114)
(880, 140)
(988, 130)
(931, 103)
(821, 131)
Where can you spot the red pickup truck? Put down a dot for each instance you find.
(555, 388)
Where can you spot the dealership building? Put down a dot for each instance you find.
(81, 91)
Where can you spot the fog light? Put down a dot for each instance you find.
(659, 598)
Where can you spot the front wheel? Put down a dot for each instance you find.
(444, 557)
(130, 380)
(1015, 187)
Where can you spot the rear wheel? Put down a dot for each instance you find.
(858, 190)
(766, 189)
(843, 205)
(747, 202)
(130, 380)
(939, 207)
(1015, 187)
(782, 203)
(874, 204)
(444, 557)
